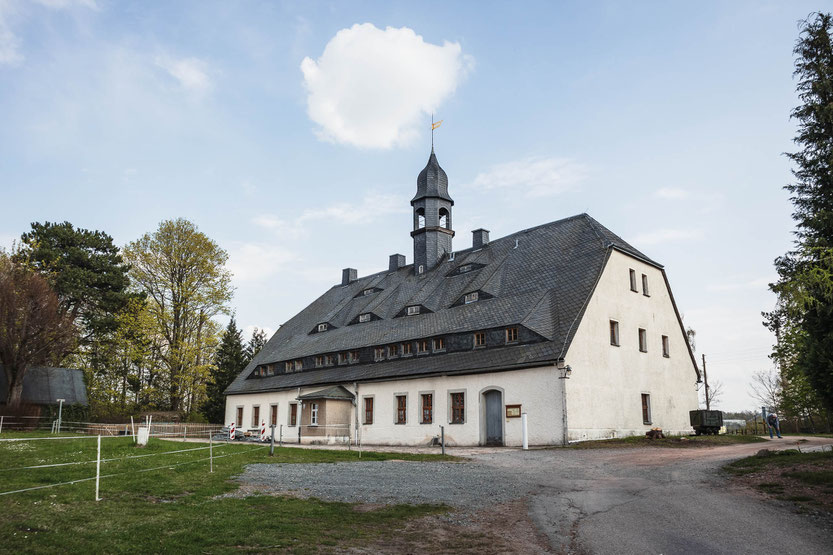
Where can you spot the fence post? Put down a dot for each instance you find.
(184, 433)
(272, 444)
(1, 424)
(442, 435)
(98, 468)
(211, 452)
(280, 436)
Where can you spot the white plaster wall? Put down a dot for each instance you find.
(604, 390)
(536, 389)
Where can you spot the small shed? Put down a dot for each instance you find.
(325, 414)
(43, 385)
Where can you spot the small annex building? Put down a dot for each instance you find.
(44, 385)
(565, 322)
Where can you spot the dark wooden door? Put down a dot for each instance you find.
(494, 420)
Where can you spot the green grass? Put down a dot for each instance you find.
(780, 459)
(671, 441)
(177, 508)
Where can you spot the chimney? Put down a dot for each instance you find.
(396, 261)
(480, 238)
(349, 275)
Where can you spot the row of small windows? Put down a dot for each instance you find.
(634, 283)
(457, 401)
(412, 310)
(389, 352)
(643, 339)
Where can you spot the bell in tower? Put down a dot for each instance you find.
(432, 217)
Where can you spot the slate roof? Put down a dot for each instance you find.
(43, 385)
(539, 278)
(432, 181)
(334, 392)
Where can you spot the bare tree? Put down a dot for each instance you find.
(766, 388)
(714, 392)
(34, 328)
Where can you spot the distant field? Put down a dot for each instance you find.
(671, 441)
(169, 501)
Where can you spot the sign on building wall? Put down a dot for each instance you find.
(513, 411)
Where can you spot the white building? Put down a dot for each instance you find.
(469, 340)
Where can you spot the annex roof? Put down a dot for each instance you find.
(43, 386)
(539, 278)
(334, 392)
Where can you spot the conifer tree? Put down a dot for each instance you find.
(229, 361)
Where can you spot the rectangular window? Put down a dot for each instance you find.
(471, 297)
(480, 339)
(439, 344)
(270, 370)
(313, 414)
(465, 268)
(319, 361)
(413, 310)
(299, 365)
(511, 335)
(379, 354)
(256, 416)
(293, 414)
(367, 292)
(343, 358)
(288, 366)
(665, 346)
(643, 340)
(354, 357)
(331, 360)
(458, 408)
(614, 332)
(239, 420)
(427, 408)
(364, 317)
(393, 351)
(273, 415)
(645, 285)
(422, 346)
(368, 410)
(401, 409)
(322, 327)
(646, 408)
(407, 349)
(633, 280)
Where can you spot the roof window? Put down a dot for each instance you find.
(364, 317)
(413, 310)
(464, 268)
(322, 327)
(471, 297)
(367, 292)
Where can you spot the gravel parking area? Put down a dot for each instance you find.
(463, 485)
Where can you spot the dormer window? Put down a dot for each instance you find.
(471, 297)
(439, 344)
(393, 351)
(354, 357)
(322, 327)
(511, 335)
(413, 310)
(319, 361)
(464, 268)
(364, 317)
(270, 369)
(367, 292)
(422, 346)
(379, 354)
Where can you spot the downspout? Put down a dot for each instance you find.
(356, 412)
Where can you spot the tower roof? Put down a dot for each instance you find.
(432, 181)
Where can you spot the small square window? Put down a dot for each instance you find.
(480, 339)
(413, 310)
(645, 285)
(322, 327)
(465, 268)
(270, 370)
(367, 292)
(379, 354)
(439, 344)
(633, 280)
(422, 346)
(665, 350)
(407, 349)
(614, 333)
(319, 361)
(354, 357)
(511, 335)
(364, 317)
(471, 297)
(393, 351)
(331, 360)
(643, 340)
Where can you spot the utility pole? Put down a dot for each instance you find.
(706, 381)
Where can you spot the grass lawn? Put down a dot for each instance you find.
(170, 502)
(804, 478)
(670, 441)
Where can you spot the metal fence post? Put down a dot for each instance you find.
(1, 424)
(211, 452)
(184, 433)
(280, 436)
(98, 469)
(442, 435)
(272, 444)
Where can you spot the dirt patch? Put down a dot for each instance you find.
(504, 528)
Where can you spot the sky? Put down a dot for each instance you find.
(292, 133)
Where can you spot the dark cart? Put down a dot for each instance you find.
(706, 421)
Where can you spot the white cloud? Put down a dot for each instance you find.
(533, 176)
(257, 261)
(191, 73)
(373, 88)
(670, 193)
(666, 236)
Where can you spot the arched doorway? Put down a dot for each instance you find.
(493, 416)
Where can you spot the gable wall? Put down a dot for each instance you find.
(604, 390)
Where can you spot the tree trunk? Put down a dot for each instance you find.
(15, 394)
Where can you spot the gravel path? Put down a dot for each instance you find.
(463, 485)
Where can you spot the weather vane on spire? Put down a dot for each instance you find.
(434, 125)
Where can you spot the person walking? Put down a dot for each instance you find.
(774, 424)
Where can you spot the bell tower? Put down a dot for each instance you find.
(432, 217)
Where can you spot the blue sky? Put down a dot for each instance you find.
(292, 134)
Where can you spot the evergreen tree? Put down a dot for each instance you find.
(256, 343)
(229, 361)
(804, 315)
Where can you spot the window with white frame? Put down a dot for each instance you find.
(364, 317)
(322, 327)
(439, 344)
(471, 297)
(643, 340)
(313, 414)
(413, 310)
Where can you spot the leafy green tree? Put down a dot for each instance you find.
(183, 274)
(804, 315)
(229, 361)
(255, 344)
